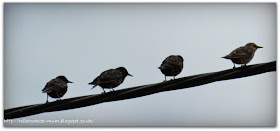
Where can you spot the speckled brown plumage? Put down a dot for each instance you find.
(243, 55)
(110, 78)
(57, 87)
(172, 65)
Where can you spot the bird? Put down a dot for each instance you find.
(172, 65)
(110, 78)
(56, 87)
(242, 55)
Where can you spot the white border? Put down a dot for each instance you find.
(135, 1)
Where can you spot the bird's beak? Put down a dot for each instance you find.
(130, 75)
(259, 47)
(70, 82)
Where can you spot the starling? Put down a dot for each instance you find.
(243, 54)
(172, 65)
(57, 87)
(110, 78)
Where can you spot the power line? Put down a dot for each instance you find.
(139, 91)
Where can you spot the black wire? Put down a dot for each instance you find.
(139, 91)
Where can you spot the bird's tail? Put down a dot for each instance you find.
(45, 90)
(94, 82)
(226, 57)
(93, 87)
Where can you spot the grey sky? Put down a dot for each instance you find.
(42, 41)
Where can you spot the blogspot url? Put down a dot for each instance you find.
(62, 121)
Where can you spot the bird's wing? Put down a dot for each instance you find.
(54, 85)
(240, 52)
(109, 76)
(171, 63)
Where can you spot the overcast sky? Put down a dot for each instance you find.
(42, 41)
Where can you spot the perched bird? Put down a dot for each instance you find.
(172, 65)
(110, 78)
(57, 87)
(243, 54)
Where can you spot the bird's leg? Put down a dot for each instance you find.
(112, 88)
(244, 65)
(165, 77)
(233, 66)
(47, 99)
(104, 90)
(173, 75)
